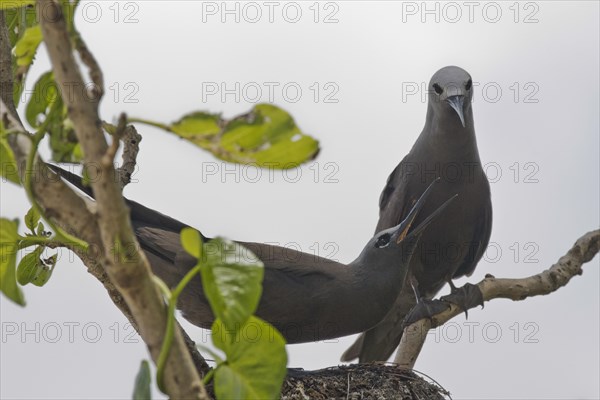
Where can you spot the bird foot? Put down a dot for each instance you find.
(465, 297)
(425, 309)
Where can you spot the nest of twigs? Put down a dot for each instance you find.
(361, 381)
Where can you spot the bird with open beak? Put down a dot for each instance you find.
(306, 297)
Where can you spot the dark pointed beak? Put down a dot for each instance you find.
(457, 102)
(404, 231)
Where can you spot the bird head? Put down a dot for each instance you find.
(398, 243)
(451, 91)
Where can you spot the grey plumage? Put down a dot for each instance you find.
(307, 298)
(452, 245)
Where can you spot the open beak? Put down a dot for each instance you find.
(404, 230)
(457, 103)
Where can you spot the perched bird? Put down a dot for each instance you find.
(307, 298)
(454, 243)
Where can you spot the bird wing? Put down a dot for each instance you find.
(395, 202)
(163, 243)
(290, 261)
(166, 245)
(483, 231)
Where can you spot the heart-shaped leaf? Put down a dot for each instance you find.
(232, 280)
(256, 361)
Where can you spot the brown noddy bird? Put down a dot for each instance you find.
(454, 243)
(306, 297)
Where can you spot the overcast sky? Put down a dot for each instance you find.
(536, 69)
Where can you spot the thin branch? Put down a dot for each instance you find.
(90, 61)
(127, 268)
(110, 154)
(131, 146)
(131, 141)
(546, 282)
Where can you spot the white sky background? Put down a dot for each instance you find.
(543, 348)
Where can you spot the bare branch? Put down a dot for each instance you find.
(131, 145)
(131, 142)
(127, 268)
(546, 282)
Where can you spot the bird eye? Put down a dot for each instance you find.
(469, 84)
(382, 241)
(438, 89)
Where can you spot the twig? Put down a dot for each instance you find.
(109, 156)
(131, 145)
(546, 282)
(348, 388)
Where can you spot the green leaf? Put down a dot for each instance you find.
(267, 136)
(32, 269)
(197, 126)
(8, 231)
(191, 241)
(256, 361)
(63, 141)
(45, 271)
(8, 257)
(27, 45)
(45, 94)
(46, 107)
(141, 390)
(42, 276)
(40, 229)
(29, 266)
(6, 4)
(31, 218)
(18, 21)
(232, 280)
(8, 165)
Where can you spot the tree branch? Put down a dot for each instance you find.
(546, 282)
(127, 267)
(62, 205)
(131, 146)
